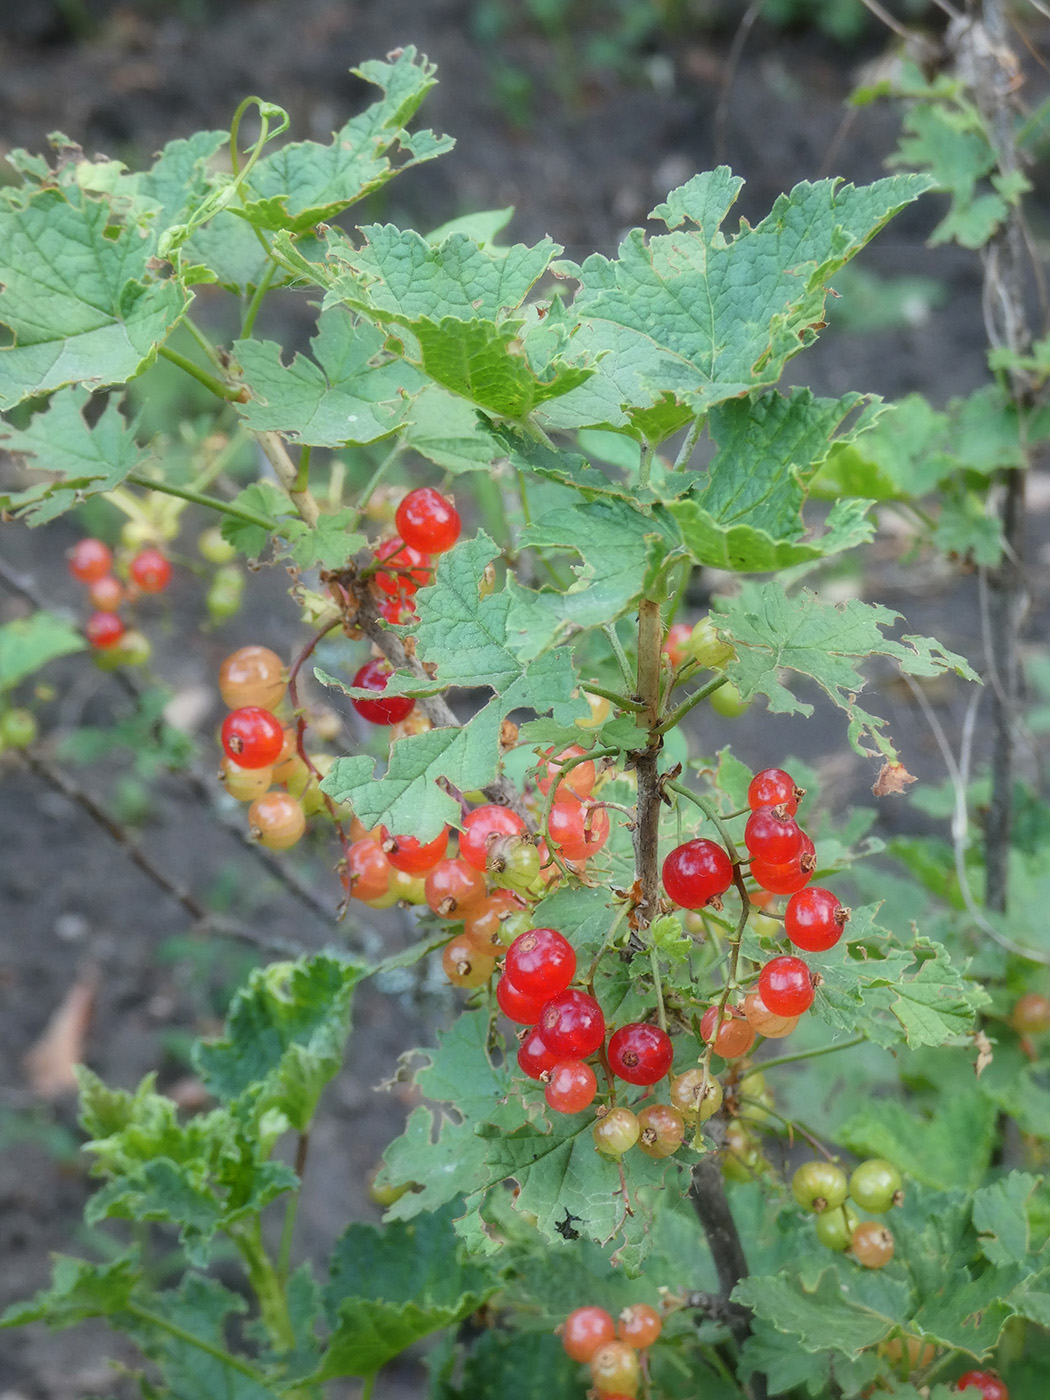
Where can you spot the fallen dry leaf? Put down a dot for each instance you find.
(50, 1062)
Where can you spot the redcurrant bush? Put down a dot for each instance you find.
(585, 1330)
(640, 1053)
(697, 872)
(786, 986)
(427, 521)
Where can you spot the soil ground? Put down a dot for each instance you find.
(72, 907)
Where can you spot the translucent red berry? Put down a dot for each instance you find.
(790, 877)
(578, 829)
(774, 788)
(428, 521)
(541, 962)
(534, 1056)
(585, 1330)
(252, 675)
(640, 1325)
(661, 1131)
(697, 872)
(640, 1053)
(572, 1024)
(366, 873)
(674, 643)
(764, 1021)
(405, 571)
(987, 1383)
(772, 836)
(373, 675)
(814, 919)
(252, 737)
(103, 630)
(412, 856)
(579, 780)
(150, 570)
(786, 986)
(571, 1087)
(733, 1036)
(276, 820)
(89, 560)
(453, 886)
(482, 827)
(464, 965)
(517, 1005)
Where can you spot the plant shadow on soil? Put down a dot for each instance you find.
(71, 905)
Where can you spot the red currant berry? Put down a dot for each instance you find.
(872, 1244)
(366, 874)
(774, 788)
(772, 836)
(572, 1086)
(1031, 1014)
(106, 593)
(579, 781)
(534, 1057)
(413, 857)
(697, 872)
(615, 1369)
(786, 987)
(790, 877)
(661, 1130)
(876, 1185)
(763, 1020)
(584, 1331)
(734, 1037)
(428, 521)
(483, 826)
(252, 675)
(373, 676)
(516, 1005)
(674, 643)
(252, 737)
(103, 630)
(406, 571)
(572, 1024)
(640, 1325)
(696, 1096)
(616, 1132)
(640, 1053)
(464, 965)
(495, 921)
(89, 560)
(814, 919)
(276, 820)
(453, 886)
(987, 1382)
(578, 829)
(819, 1186)
(541, 963)
(150, 571)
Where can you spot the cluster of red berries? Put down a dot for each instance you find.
(782, 861)
(612, 1351)
(874, 1186)
(91, 563)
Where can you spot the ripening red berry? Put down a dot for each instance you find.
(413, 857)
(674, 643)
(406, 568)
(252, 675)
(814, 919)
(585, 1330)
(276, 820)
(735, 1035)
(373, 676)
(579, 781)
(790, 877)
(786, 986)
(89, 560)
(615, 1369)
(872, 1244)
(571, 1087)
(366, 874)
(483, 826)
(252, 737)
(640, 1053)
(763, 1020)
(150, 570)
(772, 836)
(495, 921)
(640, 1325)
(774, 788)
(696, 873)
(106, 593)
(428, 521)
(661, 1130)
(572, 1024)
(986, 1382)
(578, 829)
(453, 886)
(464, 965)
(1031, 1014)
(541, 963)
(103, 630)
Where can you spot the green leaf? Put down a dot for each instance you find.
(951, 1148)
(351, 392)
(284, 1036)
(29, 643)
(710, 318)
(85, 459)
(305, 183)
(329, 544)
(263, 498)
(515, 1365)
(843, 1309)
(78, 1290)
(1001, 1220)
(445, 429)
(154, 745)
(773, 633)
(389, 1288)
(79, 297)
